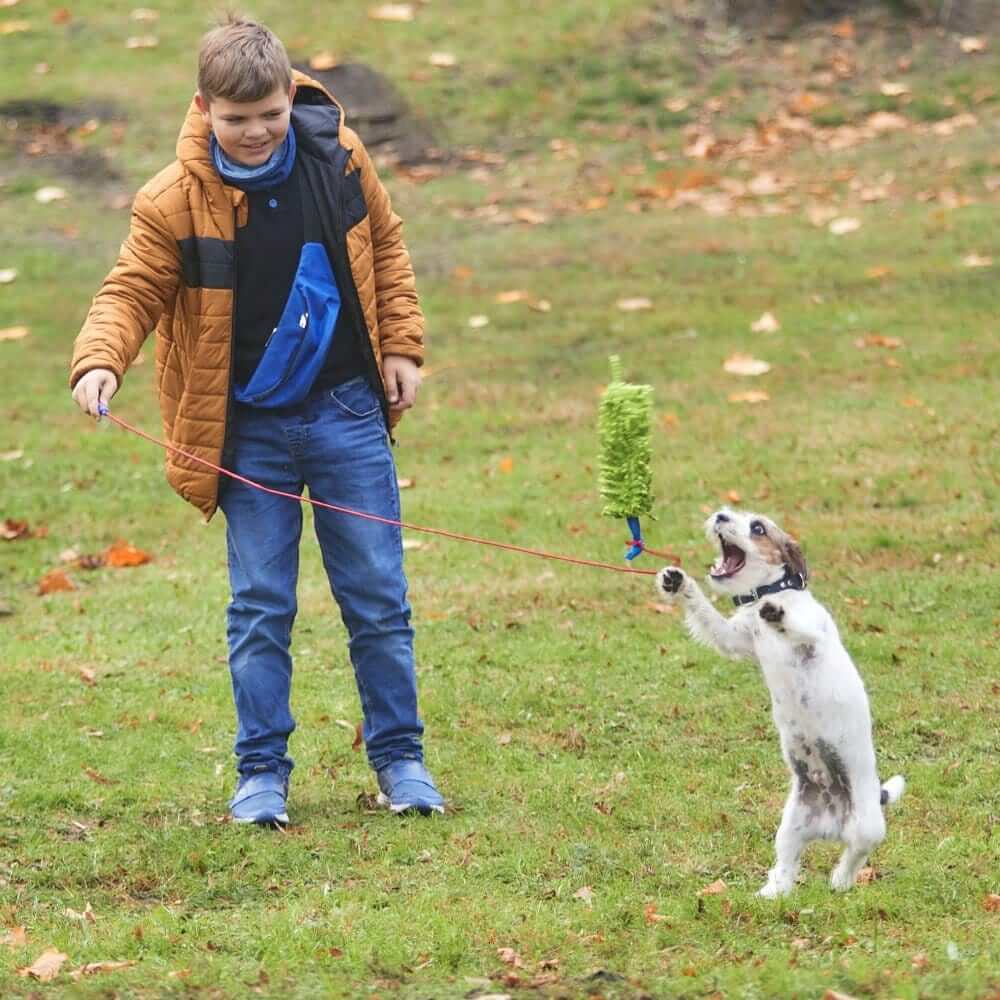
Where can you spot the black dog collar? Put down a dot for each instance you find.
(790, 581)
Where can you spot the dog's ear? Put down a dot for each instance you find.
(794, 559)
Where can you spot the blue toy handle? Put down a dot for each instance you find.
(635, 548)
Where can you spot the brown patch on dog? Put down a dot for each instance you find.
(779, 548)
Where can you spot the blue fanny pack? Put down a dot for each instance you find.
(296, 350)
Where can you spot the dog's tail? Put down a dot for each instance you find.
(892, 790)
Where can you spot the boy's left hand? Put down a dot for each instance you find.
(402, 379)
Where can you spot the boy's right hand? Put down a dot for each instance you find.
(95, 388)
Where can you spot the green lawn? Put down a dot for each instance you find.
(603, 771)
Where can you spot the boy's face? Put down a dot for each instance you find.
(249, 132)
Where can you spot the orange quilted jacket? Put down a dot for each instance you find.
(176, 272)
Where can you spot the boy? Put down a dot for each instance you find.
(289, 339)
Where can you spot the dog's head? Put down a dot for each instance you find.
(754, 551)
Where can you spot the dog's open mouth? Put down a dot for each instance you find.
(732, 560)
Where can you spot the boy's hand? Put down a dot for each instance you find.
(95, 388)
(402, 379)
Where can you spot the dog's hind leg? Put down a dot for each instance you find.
(794, 832)
(863, 833)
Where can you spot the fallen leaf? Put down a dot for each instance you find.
(866, 876)
(92, 968)
(7, 275)
(530, 215)
(88, 676)
(878, 340)
(14, 937)
(744, 364)
(971, 44)
(322, 61)
(14, 333)
(443, 60)
(991, 904)
(145, 14)
(919, 962)
(14, 27)
(733, 497)
(834, 995)
(504, 739)
(412, 544)
(359, 739)
(844, 225)
(514, 295)
(392, 12)
(11, 529)
(62, 15)
(121, 554)
(750, 396)
(975, 260)
(462, 272)
(651, 916)
(46, 967)
(540, 305)
(635, 304)
(405, 483)
(660, 608)
(843, 29)
(44, 195)
(98, 777)
(889, 89)
(142, 42)
(55, 581)
(585, 894)
(87, 917)
(717, 887)
(479, 321)
(768, 323)
(506, 464)
(510, 957)
(887, 121)
(878, 272)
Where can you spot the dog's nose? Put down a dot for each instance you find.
(721, 518)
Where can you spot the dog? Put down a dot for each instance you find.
(817, 697)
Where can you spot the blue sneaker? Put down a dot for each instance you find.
(405, 784)
(260, 798)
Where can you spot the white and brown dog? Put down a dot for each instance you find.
(818, 700)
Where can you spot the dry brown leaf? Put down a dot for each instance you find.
(504, 739)
(14, 27)
(878, 272)
(462, 272)
(510, 957)
(62, 15)
(142, 42)
(717, 887)
(479, 321)
(733, 496)
(443, 60)
(92, 968)
(919, 962)
(834, 995)
(540, 305)
(145, 14)
(88, 676)
(11, 456)
(46, 967)
(879, 340)
(866, 876)
(98, 777)
(514, 295)
(531, 216)
(7, 275)
(121, 554)
(406, 483)
(585, 894)
(991, 904)
(768, 323)
(843, 29)
(10, 530)
(744, 364)
(14, 937)
(55, 581)
(412, 544)
(392, 12)
(651, 916)
(750, 396)
(889, 89)
(972, 44)
(844, 225)
(14, 333)
(887, 121)
(322, 61)
(976, 260)
(506, 464)
(661, 609)
(637, 303)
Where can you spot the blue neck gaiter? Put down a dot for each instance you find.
(268, 175)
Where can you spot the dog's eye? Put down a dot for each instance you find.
(757, 528)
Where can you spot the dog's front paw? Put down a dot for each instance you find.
(772, 613)
(670, 580)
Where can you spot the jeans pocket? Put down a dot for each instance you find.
(356, 398)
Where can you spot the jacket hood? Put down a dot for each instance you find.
(194, 151)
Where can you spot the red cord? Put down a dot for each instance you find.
(384, 520)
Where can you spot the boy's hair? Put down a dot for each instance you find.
(242, 61)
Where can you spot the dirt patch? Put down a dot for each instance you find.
(379, 114)
(57, 134)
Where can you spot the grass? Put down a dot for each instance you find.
(603, 770)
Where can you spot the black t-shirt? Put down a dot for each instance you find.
(267, 256)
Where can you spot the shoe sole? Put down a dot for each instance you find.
(280, 820)
(383, 802)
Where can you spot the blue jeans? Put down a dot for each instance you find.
(335, 443)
